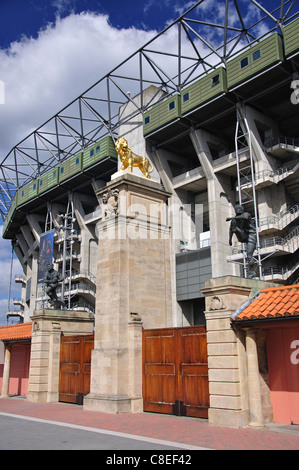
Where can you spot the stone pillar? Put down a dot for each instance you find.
(135, 326)
(227, 358)
(48, 325)
(254, 391)
(54, 363)
(6, 370)
(133, 276)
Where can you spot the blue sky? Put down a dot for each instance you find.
(27, 17)
(51, 51)
(38, 43)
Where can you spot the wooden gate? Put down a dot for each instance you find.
(74, 374)
(175, 371)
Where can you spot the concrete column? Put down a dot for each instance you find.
(6, 371)
(272, 199)
(220, 207)
(254, 391)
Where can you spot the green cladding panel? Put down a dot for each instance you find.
(291, 37)
(255, 59)
(10, 213)
(70, 167)
(48, 180)
(96, 152)
(27, 192)
(161, 114)
(203, 90)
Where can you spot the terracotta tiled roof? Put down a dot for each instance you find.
(271, 303)
(14, 332)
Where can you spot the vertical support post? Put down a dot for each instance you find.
(135, 326)
(254, 392)
(242, 121)
(54, 363)
(6, 371)
(68, 230)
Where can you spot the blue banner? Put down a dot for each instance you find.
(45, 254)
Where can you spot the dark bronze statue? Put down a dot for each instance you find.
(243, 226)
(51, 280)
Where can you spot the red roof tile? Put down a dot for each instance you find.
(14, 332)
(274, 302)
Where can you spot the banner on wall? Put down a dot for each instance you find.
(45, 254)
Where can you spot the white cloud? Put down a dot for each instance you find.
(43, 75)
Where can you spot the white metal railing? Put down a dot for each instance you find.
(282, 219)
(289, 141)
(84, 273)
(184, 245)
(81, 286)
(269, 174)
(83, 306)
(284, 272)
(290, 242)
(19, 301)
(59, 256)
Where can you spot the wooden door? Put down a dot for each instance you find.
(175, 371)
(159, 370)
(74, 374)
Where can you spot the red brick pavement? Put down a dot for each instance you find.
(164, 427)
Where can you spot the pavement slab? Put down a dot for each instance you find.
(189, 432)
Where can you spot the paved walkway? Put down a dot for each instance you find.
(190, 433)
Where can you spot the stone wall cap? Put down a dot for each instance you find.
(228, 282)
(134, 180)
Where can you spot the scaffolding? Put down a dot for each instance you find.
(246, 180)
(67, 226)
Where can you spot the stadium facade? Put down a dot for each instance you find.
(230, 136)
(158, 249)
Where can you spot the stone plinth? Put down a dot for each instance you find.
(133, 276)
(48, 325)
(227, 355)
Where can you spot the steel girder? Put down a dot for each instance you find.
(196, 45)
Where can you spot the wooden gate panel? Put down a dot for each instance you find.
(193, 373)
(74, 374)
(175, 371)
(159, 371)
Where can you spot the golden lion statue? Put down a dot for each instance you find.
(130, 159)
